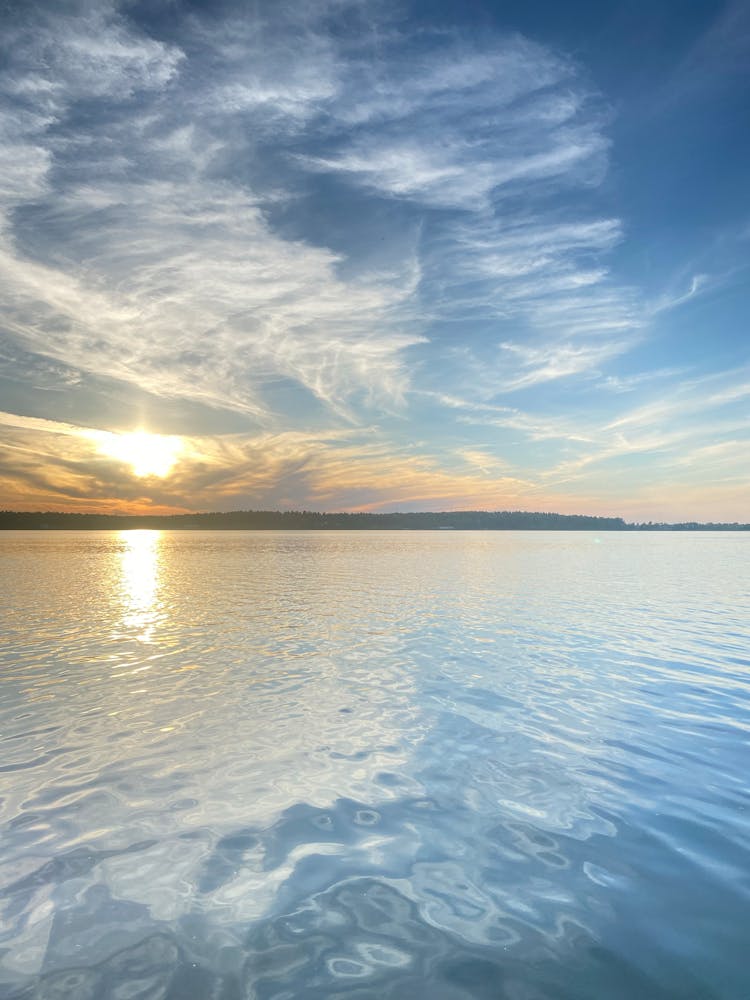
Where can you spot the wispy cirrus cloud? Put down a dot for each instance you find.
(481, 150)
(460, 126)
(699, 417)
(149, 265)
(544, 282)
(153, 258)
(202, 300)
(546, 363)
(690, 439)
(83, 51)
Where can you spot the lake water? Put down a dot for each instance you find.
(375, 765)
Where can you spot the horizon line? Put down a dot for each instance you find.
(606, 522)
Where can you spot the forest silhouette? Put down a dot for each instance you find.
(307, 520)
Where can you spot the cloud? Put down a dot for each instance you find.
(544, 364)
(147, 267)
(688, 399)
(450, 174)
(689, 434)
(541, 279)
(732, 456)
(481, 138)
(460, 125)
(533, 427)
(139, 236)
(88, 52)
(277, 66)
(697, 284)
(693, 418)
(629, 383)
(202, 300)
(487, 464)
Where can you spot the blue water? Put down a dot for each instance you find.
(374, 765)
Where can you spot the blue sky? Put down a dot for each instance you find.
(344, 255)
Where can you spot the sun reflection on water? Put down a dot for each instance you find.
(140, 566)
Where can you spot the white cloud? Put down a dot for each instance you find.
(629, 383)
(156, 272)
(461, 125)
(186, 291)
(161, 266)
(58, 57)
(549, 362)
(697, 284)
(687, 426)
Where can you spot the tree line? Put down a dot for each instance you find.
(462, 520)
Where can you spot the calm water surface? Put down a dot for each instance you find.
(446, 765)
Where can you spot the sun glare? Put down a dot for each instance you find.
(146, 454)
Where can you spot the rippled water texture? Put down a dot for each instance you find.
(386, 765)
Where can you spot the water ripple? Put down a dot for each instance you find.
(455, 765)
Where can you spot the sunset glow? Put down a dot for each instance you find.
(146, 454)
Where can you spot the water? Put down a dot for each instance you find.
(374, 765)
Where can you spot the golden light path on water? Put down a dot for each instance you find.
(140, 566)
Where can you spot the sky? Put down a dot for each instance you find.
(346, 255)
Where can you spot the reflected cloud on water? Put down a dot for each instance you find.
(307, 765)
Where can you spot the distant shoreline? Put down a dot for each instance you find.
(302, 520)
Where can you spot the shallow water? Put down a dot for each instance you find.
(387, 765)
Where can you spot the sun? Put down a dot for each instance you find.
(147, 454)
